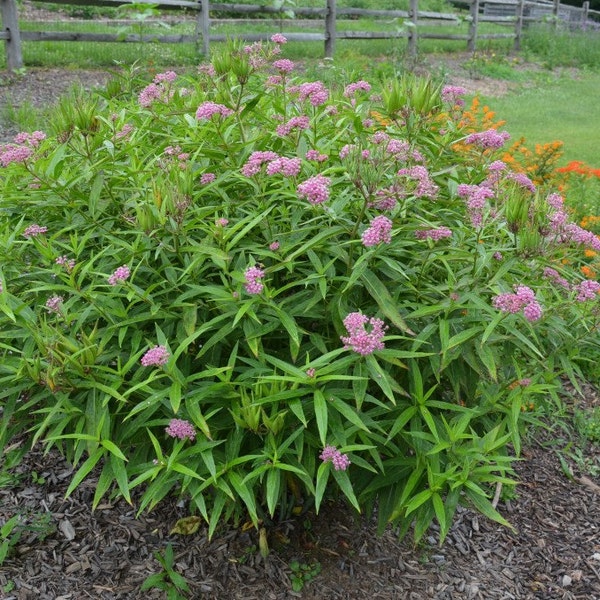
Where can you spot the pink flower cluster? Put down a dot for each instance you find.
(159, 89)
(313, 91)
(578, 235)
(207, 178)
(438, 233)
(489, 139)
(339, 461)
(359, 339)
(22, 149)
(288, 167)
(207, 109)
(522, 299)
(587, 290)
(278, 38)
(351, 89)
(301, 122)
(176, 156)
(54, 304)
(452, 94)
(378, 232)
(12, 153)
(155, 357)
(315, 189)
(523, 181)
(67, 263)
(316, 156)
(476, 197)
(253, 276)
(124, 131)
(346, 150)
(426, 188)
(556, 278)
(255, 161)
(121, 274)
(183, 430)
(30, 139)
(284, 65)
(34, 230)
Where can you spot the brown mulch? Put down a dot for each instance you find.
(69, 552)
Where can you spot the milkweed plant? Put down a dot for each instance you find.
(258, 292)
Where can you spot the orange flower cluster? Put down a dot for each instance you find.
(579, 168)
(538, 164)
(479, 118)
(474, 119)
(588, 272)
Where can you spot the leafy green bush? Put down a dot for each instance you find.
(255, 292)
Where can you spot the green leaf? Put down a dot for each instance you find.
(386, 303)
(440, 510)
(348, 412)
(406, 415)
(484, 506)
(322, 478)
(273, 487)
(245, 494)
(119, 472)
(113, 449)
(416, 501)
(321, 415)
(85, 470)
(343, 480)
(175, 396)
(290, 326)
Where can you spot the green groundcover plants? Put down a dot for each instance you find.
(257, 292)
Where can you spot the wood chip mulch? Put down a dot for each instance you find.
(69, 552)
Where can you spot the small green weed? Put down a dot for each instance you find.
(303, 573)
(587, 423)
(40, 525)
(168, 579)
(10, 533)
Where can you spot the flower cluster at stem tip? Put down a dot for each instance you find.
(522, 299)
(339, 461)
(181, 429)
(155, 357)
(359, 339)
(253, 276)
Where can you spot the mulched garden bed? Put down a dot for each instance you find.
(107, 554)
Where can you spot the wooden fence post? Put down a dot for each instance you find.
(12, 44)
(204, 26)
(555, 9)
(413, 39)
(472, 41)
(584, 14)
(330, 29)
(519, 25)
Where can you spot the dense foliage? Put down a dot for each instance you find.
(257, 291)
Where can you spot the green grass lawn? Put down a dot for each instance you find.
(556, 108)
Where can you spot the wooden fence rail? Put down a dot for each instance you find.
(512, 13)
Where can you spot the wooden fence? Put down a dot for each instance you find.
(512, 13)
